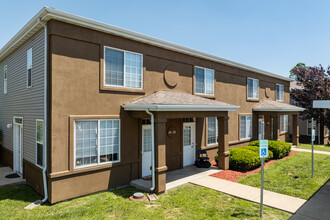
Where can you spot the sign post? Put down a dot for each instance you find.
(263, 153)
(313, 139)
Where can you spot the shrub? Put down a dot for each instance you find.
(256, 149)
(216, 158)
(241, 159)
(279, 149)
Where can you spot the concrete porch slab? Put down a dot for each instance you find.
(4, 171)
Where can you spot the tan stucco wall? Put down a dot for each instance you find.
(76, 66)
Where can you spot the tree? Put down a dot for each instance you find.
(315, 83)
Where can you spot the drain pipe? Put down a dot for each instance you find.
(152, 149)
(44, 174)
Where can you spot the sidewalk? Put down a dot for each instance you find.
(310, 151)
(275, 200)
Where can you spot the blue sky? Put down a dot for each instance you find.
(270, 35)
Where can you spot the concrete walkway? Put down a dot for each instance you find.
(317, 207)
(275, 200)
(4, 171)
(310, 151)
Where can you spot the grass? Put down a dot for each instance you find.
(185, 202)
(292, 176)
(316, 147)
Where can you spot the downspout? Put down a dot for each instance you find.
(44, 170)
(152, 150)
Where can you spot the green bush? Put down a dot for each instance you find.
(241, 159)
(279, 149)
(216, 158)
(256, 149)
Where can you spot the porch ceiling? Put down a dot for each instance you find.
(177, 101)
(275, 106)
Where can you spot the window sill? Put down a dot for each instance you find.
(240, 141)
(205, 96)
(252, 100)
(121, 90)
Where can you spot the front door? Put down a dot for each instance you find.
(18, 145)
(173, 144)
(189, 150)
(146, 150)
(261, 126)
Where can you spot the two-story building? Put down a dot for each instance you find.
(86, 106)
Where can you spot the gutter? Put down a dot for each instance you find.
(168, 107)
(152, 150)
(44, 170)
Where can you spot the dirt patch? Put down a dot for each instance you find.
(234, 176)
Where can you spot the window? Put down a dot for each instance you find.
(146, 138)
(122, 68)
(326, 131)
(284, 123)
(5, 80)
(245, 127)
(253, 88)
(212, 130)
(204, 81)
(29, 69)
(40, 142)
(279, 92)
(97, 142)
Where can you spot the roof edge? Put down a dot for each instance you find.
(279, 109)
(49, 13)
(157, 107)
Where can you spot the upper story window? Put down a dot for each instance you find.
(204, 81)
(279, 92)
(122, 68)
(212, 130)
(29, 68)
(5, 80)
(284, 123)
(253, 88)
(40, 142)
(96, 142)
(245, 127)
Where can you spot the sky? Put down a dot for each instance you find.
(269, 35)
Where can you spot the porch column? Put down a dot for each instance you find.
(223, 147)
(295, 130)
(255, 124)
(160, 155)
(277, 127)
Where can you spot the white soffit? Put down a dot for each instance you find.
(321, 104)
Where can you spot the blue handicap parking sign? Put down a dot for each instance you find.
(263, 149)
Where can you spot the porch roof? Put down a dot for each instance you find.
(270, 105)
(177, 101)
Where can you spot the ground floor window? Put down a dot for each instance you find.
(97, 142)
(212, 130)
(245, 126)
(40, 142)
(284, 123)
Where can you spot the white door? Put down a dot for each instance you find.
(146, 150)
(18, 148)
(261, 126)
(189, 149)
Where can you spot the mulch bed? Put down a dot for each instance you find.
(233, 176)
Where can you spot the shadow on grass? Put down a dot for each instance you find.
(20, 192)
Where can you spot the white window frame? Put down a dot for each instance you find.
(247, 85)
(246, 130)
(5, 79)
(37, 142)
(286, 128)
(104, 70)
(216, 131)
(98, 143)
(29, 67)
(281, 86)
(204, 81)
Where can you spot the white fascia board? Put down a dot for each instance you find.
(159, 108)
(321, 104)
(279, 109)
(50, 13)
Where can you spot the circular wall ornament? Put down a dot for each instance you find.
(267, 92)
(171, 78)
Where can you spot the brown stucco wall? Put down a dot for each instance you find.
(76, 90)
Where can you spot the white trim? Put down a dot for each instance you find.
(124, 72)
(5, 79)
(280, 100)
(160, 107)
(98, 143)
(279, 109)
(36, 154)
(204, 68)
(49, 13)
(321, 103)
(21, 126)
(27, 67)
(247, 85)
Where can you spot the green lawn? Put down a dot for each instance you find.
(292, 176)
(186, 202)
(316, 147)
